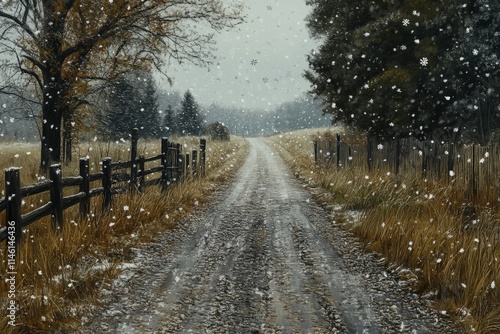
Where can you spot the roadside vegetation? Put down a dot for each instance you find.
(62, 275)
(421, 228)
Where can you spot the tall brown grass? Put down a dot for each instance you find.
(61, 274)
(448, 249)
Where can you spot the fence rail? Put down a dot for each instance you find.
(476, 168)
(115, 177)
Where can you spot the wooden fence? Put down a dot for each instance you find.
(115, 177)
(475, 168)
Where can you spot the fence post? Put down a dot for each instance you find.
(85, 187)
(451, 160)
(424, 159)
(398, 153)
(56, 196)
(369, 153)
(164, 151)
(13, 194)
(177, 162)
(349, 157)
(194, 161)
(181, 167)
(474, 178)
(187, 170)
(338, 151)
(141, 173)
(172, 159)
(133, 156)
(203, 148)
(329, 152)
(106, 182)
(315, 152)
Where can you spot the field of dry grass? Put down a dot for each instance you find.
(422, 228)
(60, 275)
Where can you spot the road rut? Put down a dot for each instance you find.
(262, 258)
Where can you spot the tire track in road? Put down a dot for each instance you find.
(263, 258)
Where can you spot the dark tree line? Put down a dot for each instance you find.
(300, 113)
(132, 102)
(409, 68)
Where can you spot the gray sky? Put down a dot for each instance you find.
(260, 65)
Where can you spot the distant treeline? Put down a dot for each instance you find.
(301, 113)
(136, 101)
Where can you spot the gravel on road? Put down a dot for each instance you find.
(263, 257)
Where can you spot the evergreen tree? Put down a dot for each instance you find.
(149, 118)
(189, 119)
(394, 68)
(132, 103)
(169, 121)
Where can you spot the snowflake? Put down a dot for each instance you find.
(416, 13)
(475, 52)
(406, 22)
(424, 61)
(253, 62)
(403, 47)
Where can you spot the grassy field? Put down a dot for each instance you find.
(422, 228)
(60, 275)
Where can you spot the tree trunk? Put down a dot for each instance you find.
(51, 138)
(67, 137)
(51, 125)
(54, 88)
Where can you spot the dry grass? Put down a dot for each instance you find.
(61, 274)
(448, 249)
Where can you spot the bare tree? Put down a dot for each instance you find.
(69, 48)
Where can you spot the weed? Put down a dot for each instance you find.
(60, 275)
(451, 248)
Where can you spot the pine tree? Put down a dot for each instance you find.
(149, 120)
(132, 104)
(169, 121)
(189, 119)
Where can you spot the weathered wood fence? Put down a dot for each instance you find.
(474, 167)
(115, 177)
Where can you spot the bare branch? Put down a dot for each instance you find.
(20, 23)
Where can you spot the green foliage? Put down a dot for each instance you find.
(132, 103)
(189, 118)
(408, 68)
(169, 122)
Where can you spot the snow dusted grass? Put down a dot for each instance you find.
(449, 250)
(61, 275)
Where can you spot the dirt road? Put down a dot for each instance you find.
(263, 258)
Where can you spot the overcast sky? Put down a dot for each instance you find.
(260, 65)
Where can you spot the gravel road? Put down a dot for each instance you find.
(262, 258)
